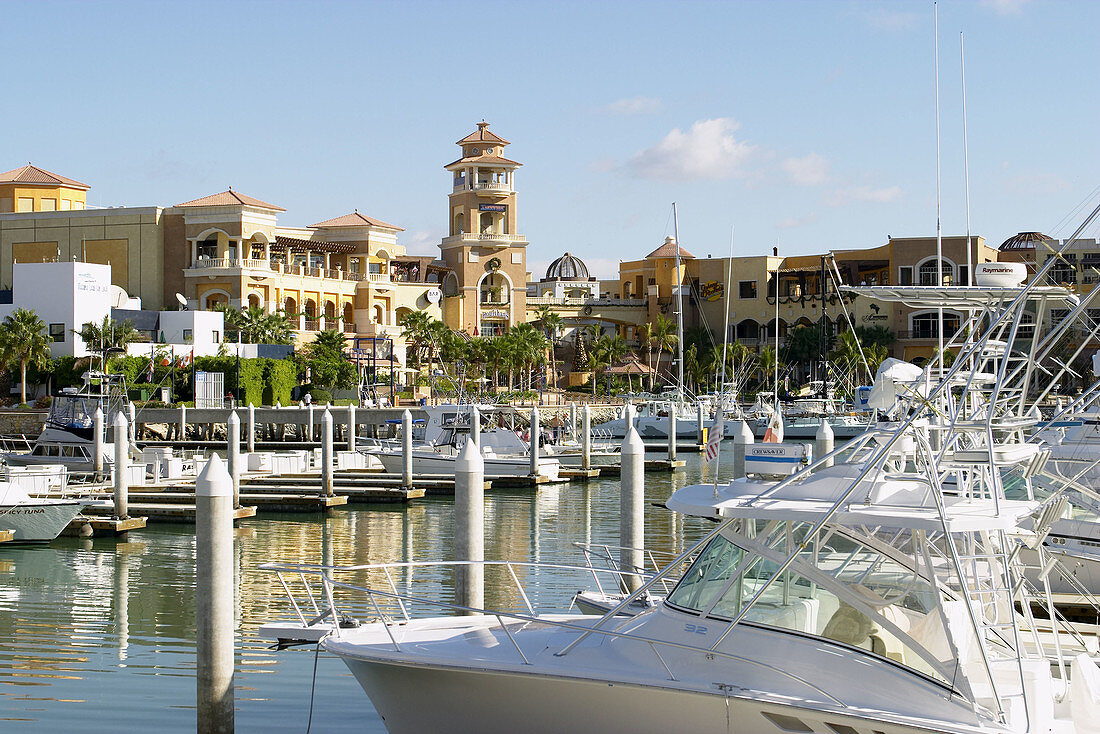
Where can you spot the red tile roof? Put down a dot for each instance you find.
(29, 174)
(482, 135)
(668, 249)
(355, 219)
(231, 198)
(491, 159)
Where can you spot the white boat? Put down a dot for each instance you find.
(34, 519)
(441, 460)
(806, 427)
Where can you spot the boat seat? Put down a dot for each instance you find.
(1084, 694)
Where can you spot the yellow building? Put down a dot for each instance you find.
(485, 294)
(32, 189)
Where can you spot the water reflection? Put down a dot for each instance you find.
(100, 634)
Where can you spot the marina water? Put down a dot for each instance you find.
(99, 635)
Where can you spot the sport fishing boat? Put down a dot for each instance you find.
(33, 519)
(68, 436)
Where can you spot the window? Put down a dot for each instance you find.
(905, 275)
(26, 204)
(927, 325)
(208, 248)
(1065, 272)
(929, 272)
(187, 336)
(216, 336)
(746, 289)
(652, 281)
(1057, 315)
(49, 205)
(66, 204)
(57, 333)
(964, 275)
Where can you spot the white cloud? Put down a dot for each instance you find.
(881, 195)
(1005, 7)
(639, 105)
(793, 222)
(423, 242)
(707, 151)
(809, 170)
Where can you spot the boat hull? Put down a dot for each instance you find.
(485, 702)
(429, 462)
(39, 521)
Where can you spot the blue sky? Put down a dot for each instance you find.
(810, 123)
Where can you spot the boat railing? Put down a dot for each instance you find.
(601, 556)
(320, 605)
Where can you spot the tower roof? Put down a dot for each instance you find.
(668, 249)
(231, 198)
(31, 174)
(482, 135)
(1024, 241)
(567, 267)
(355, 219)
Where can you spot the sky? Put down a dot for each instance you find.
(807, 125)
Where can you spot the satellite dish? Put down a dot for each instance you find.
(182, 300)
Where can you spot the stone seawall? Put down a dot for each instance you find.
(22, 422)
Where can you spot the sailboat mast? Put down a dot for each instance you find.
(966, 168)
(939, 225)
(775, 380)
(679, 309)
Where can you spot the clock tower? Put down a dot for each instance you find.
(486, 292)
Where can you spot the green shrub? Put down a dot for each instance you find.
(280, 377)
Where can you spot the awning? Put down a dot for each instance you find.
(294, 244)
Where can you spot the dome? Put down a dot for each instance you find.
(1024, 241)
(567, 267)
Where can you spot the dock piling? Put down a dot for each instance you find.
(672, 432)
(632, 508)
(533, 452)
(233, 453)
(97, 442)
(469, 528)
(352, 427)
(741, 440)
(586, 437)
(183, 423)
(475, 426)
(214, 598)
(328, 486)
(701, 423)
(131, 414)
(251, 428)
(824, 441)
(407, 449)
(122, 465)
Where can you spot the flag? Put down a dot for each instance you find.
(149, 372)
(714, 438)
(774, 433)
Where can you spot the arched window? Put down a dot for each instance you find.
(928, 272)
(254, 301)
(311, 309)
(494, 290)
(330, 310)
(208, 248)
(748, 330)
(290, 306)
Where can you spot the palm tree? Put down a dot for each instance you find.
(329, 342)
(108, 336)
(529, 346)
(23, 341)
(276, 328)
(551, 324)
(663, 334)
(768, 364)
(415, 331)
(607, 350)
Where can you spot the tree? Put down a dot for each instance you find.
(551, 324)
(256, 326)
(23, 341)
(328, 366)
(663, 334)
(607, 350)
(415, 329)
(108, 336)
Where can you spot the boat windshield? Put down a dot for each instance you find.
(72, 411)
(837, 588)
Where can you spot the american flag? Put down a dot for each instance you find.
(714, 438)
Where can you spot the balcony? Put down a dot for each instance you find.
(554, 301)
(379, 277)
(494, 187)
(226, 262)
(489, 238)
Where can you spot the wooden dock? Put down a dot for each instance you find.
(7, 535)
(95, 526)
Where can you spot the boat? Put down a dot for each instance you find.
(33, 519)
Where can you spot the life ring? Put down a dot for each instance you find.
(587, 310)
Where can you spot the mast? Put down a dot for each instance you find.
(966, 168)
(775, 378)
(679, 310)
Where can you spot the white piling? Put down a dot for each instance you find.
(97, 441)
(741, 440)
(672, 432)
(251, 428)
(824, 441)
(328, 487)
(475, 426)
(352, 427)
(572, 419)
(233, 453)
(628, 417)
(312, 427)
(469, 529)
(406, 449)
(533, 452)
(586, 437)
(632, 508)
(122, 465)
(701, 423)
(214, 598)
(183, 423)
(131, 413)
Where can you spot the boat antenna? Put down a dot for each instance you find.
(719, 419)
(939, 226)
(775, 380)
(679, 311)
(966, 168)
